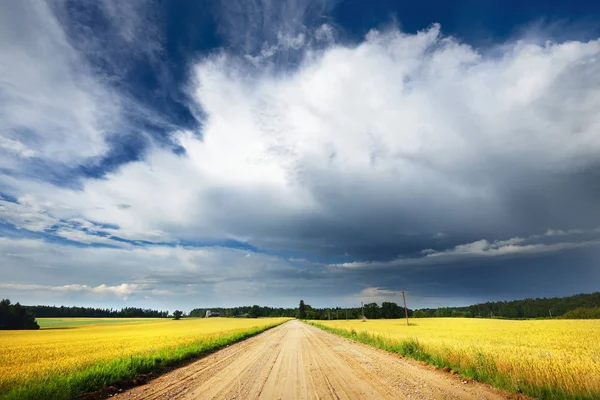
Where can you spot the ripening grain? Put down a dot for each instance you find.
(30, 356)
(548, 358)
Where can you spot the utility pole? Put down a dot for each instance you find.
(362, 306)
(405, 309)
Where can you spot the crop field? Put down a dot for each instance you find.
(61, 323)
(73, 355)
(543, 358)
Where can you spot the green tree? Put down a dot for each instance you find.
(583, 313)
(301, 310)
(177, 314)
(391, 310)
(443, 312)
(372, 310)
(255, 312)
(16, 317)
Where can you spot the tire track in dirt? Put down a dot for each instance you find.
(298, 361)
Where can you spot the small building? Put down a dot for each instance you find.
(210, 314)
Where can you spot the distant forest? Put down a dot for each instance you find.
(246, 311)
(580, 306)
(372, 311)
(576, 307)
(536, 308)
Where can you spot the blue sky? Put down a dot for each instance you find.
(187, 154)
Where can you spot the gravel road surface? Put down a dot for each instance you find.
(298, 361)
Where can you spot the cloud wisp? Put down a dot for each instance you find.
(482, 249)
(122, 291)
(61, 113)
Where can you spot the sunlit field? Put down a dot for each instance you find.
(545, 358)
(69, 322)
(63, 350)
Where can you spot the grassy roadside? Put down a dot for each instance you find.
(103, 374)
(483, 370)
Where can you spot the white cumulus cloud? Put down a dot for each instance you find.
(416, 130)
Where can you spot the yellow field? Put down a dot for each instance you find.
(70, 346)
(563, 355)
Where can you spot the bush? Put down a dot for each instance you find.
(461, 314)
(582, 313)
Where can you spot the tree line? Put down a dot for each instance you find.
(581, 306)
(443, 312)
(517, 309)
(536, 308)
(89, 312)
(387, 310)
(522, 309)
(371, 310)
(254, 311)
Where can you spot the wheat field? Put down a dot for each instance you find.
(548, 358)
(69, 346)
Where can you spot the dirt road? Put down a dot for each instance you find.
(298, 361)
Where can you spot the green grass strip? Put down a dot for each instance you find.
(104, 374)
(483, 370)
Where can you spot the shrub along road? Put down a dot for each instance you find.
(298, 361)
